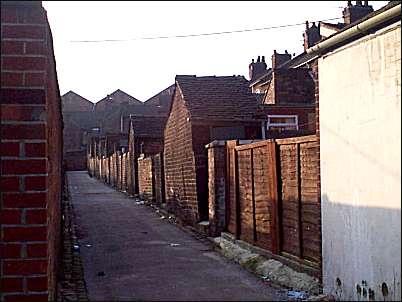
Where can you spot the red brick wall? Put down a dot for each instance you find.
(132, 179)
(217, 187)
(159, 181)
(145, 178)
(31, 150)
(179, 162)
(150, 146)
(291, 86)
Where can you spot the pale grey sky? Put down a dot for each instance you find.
(143, 68)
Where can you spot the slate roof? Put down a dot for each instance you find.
(148, 126)
(337, 26)
(149, 110)
(85, 120)
(71, 97)
(162, 99)
(219, 98)
(117, 98)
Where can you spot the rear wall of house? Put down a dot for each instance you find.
(360, 135)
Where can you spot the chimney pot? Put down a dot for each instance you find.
(349, 3)
(359, 3)
(307, 25)
(286, 51)
(258, 59)
(263, 59)
(365, 3)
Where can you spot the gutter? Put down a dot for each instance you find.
(360, 28)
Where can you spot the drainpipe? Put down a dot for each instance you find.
(355, 30)
(263, 130)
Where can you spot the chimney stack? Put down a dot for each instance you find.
(352, 13)
(278, 58)
(311, 35)
(257, 68)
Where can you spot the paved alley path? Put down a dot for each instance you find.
(130, 256)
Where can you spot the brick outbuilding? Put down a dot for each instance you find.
(145, 137)
(31, 155)
(203, 109)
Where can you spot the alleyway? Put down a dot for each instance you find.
(127, 253)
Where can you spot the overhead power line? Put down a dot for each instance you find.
(196, 35)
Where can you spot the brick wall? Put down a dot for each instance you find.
(179, 163)
(305, 115)
(75, 160)
(149, 146)
(145, 178)
(159, 180)
(291, 86)
(31, 150)
(217, 187)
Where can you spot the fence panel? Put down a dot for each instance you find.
(290, 226)
(273, 195)
(246, 202)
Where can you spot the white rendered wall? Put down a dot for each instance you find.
(360, 149)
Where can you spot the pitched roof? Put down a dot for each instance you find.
(334, 26)
(148, 126)
(149, 110)
(72, 98)
(162, 99)
(119, 97)
(217, 98)
(72, 94)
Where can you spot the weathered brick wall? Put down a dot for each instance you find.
(159, 180)
(31, 150)
(118, 170)
(124, 172)
(179, 163)
(152, 146)
(306, 115)
(75, 160)
(232, 185)
(145, 178)
(201, 137)
(217, 187)
(131, 170)
(291, 86)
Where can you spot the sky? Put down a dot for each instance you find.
(144, 67)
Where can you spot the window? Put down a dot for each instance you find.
(282, 122)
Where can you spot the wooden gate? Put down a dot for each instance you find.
(252, 213)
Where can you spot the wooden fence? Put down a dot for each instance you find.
(273, 196)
